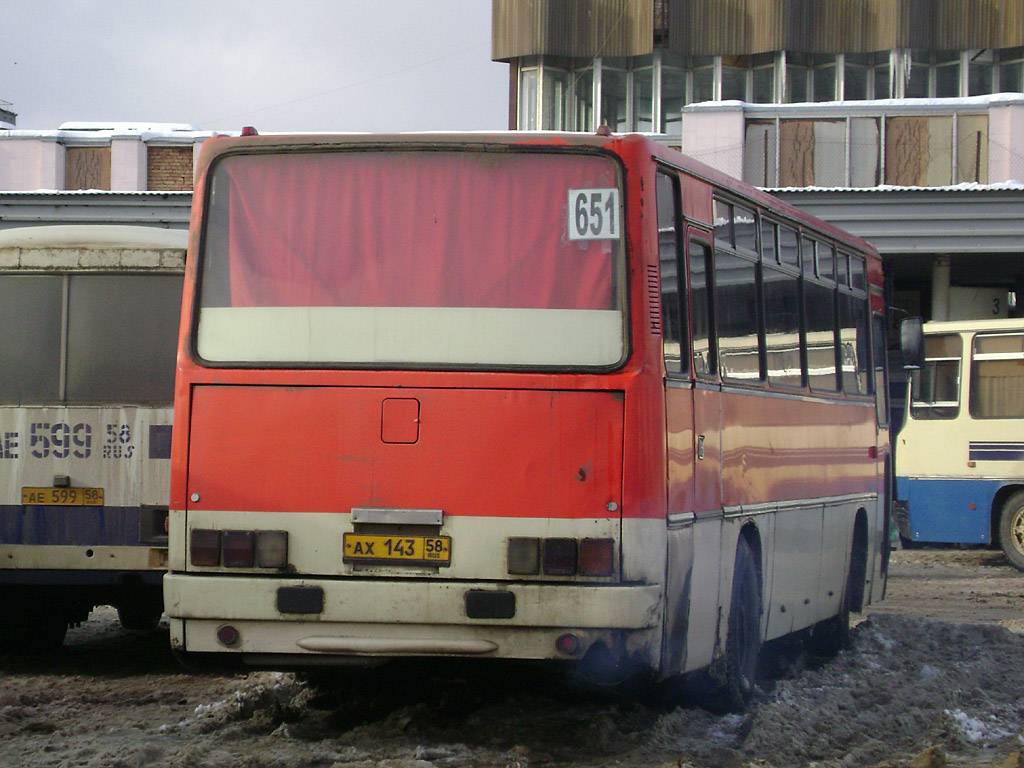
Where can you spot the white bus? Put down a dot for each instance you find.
(86, 386)
(960, 454)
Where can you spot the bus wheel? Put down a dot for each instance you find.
(1011, 530)
(743, 641)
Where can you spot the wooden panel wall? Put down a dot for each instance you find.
(705, 27)
(583, 28)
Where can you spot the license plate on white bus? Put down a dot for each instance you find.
(385, 548)
(63, 497)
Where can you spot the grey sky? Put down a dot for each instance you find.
(298, 65)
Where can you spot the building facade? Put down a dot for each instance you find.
(884, 116)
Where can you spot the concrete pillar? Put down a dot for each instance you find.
(940, 288)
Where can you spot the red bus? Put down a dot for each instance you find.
(527, 396)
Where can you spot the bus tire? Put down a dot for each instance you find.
(1011, 530)
(743, 638)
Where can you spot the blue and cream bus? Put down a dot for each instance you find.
(960, 454)
(86, 386)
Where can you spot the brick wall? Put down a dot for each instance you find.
(169, 169)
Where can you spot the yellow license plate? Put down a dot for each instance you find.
(60, 497)
(384, 548)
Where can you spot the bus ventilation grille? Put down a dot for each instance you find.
(652, 299)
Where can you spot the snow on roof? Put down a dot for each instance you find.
(125, 127)
(1012, 185)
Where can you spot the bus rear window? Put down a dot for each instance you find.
(413, 258)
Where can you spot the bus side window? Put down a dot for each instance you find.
(820, 320)
(705, 361)
(672, 287)
(997, 376)
(854, 351)
(935, 389)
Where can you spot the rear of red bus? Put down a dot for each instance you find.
(404, 382)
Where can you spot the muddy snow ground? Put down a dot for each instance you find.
(935, 677)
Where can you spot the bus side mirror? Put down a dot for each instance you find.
(912, 343)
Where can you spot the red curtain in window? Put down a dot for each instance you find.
(414, 229)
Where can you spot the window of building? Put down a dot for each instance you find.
(916, 85)
(1011, 70)
(673, 92)
(763, 78)
(797, 73)
(856, 68)
(734, 78)
(883, 80)
(529, 87)
(997, 376)
(980, 72)
(614, 95)
(583, 98)
(703, 79)
(935, 389)
(947, 74)
(643, 95)
(556, 92)
(825, 78)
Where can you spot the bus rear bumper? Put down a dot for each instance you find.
(384, 618)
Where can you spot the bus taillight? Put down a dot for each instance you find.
(238, 549)
(597, 557)
(204, 547)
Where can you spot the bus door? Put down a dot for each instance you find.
(706, 452)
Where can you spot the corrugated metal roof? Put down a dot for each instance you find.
(966, 219)
(42, 208)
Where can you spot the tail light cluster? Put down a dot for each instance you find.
(238, 549)
(530, 556)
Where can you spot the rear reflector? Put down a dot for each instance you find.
(597, 557)
(228, 635)
(239, 549)
(204, 547)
